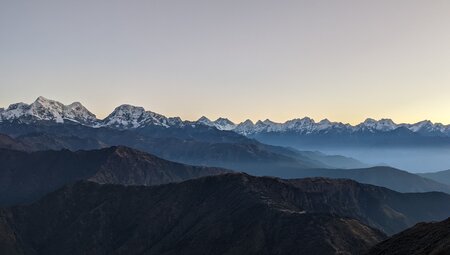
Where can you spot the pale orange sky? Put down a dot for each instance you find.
(342, 60)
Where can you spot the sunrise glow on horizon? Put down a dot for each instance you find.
(345, 61)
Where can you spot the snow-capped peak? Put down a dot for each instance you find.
(325, 123)
(428, 127)
(129, 116)
(224, 124)
(127, 111)
(48, 110)
(380, 125)
(245, 127)
(76, 112)
(247, 122)
(126, 116)
(420, 125)
(123, 117)
(205, 121)
(14, 111)
(299, 123)
(309, 126)
(220, 123)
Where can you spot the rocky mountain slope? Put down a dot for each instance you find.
(222, 214)
(232, 214)
(243, 155)
(199, 145)
(441, 176)
(379, 207)
(7, 142)
(44, 109)
(423, 238)
(388, 177)
(26, 176)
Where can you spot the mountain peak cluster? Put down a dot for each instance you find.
(138, 182)
(131, 117)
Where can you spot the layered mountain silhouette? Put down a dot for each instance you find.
(7, 142)
(50, 125)
(423, 238)
(130, 125)
(26, 176)
(295, 132)
(441, 176)
(200, 145)
(379, 207)
(45, 141)
(222, 214)
(235, 152)
(388, 177)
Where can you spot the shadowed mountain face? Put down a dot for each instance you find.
(441, 176)
(223, 214)
(230, 214)
(7, 142)
(388, 177)
(423, 238)
(211, 147)
(190, 144)
(25, 176)
(208, 146)
(227, 149)
(382, 208)
(418, 147)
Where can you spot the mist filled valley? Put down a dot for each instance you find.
(415, 160)
(224, 127)
(64, 171)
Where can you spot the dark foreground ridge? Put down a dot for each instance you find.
(383, 176)
(229, 214)
(441, 176)
(424, 238)
(26, 176)
(222, 214)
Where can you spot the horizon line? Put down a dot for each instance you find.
(236, 123)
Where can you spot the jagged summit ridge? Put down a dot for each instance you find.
(309, 126)
(130, 117)
(220, 123)
(127, 116)
(48, 110)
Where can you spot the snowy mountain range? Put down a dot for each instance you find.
(132, 117)
(128, 116)
(48, 110)
(307, 126)
(123, 117)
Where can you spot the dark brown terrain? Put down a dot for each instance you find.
(224, 214)
(423, 238)
(7, 142)
(215, 148)
(26, 176)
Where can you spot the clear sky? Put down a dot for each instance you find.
(343, 60)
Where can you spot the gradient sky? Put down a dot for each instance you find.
(342, 60)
